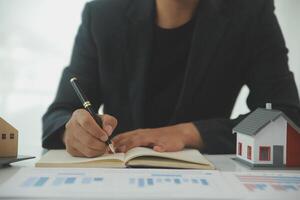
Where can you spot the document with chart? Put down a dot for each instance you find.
(116, 184)
(265, 185)
(150, 184)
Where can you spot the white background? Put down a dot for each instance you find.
(36, 39)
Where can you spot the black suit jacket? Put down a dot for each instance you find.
(235, 43)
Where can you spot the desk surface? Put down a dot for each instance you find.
(222, 163)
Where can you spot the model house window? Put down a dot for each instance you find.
(240, 148)
(3, 136)
(249, 152)
(264, 153)
(11, 136)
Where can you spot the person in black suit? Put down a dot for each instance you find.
(168, 73)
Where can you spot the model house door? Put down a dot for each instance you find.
(278, 155)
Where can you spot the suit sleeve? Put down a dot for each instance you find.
(84, 66)
(268, 78)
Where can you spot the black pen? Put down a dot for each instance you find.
(88, 106)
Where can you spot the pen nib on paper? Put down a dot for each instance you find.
(111, 147)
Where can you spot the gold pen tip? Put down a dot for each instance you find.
(111, 147)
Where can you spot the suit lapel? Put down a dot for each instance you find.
(139, 51)
(209, 28)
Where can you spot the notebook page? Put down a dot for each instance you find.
(188, 155)
(62, 156)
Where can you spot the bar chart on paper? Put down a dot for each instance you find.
(158, 180)
(270, 183)
(117, 184)
(267, 185)
(60, 180)
(174, 185)
(44, 183)
(136, 181)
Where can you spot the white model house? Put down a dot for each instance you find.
(269, 138)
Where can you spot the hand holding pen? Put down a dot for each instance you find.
(87, 134)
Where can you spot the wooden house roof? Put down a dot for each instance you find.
(5, 126)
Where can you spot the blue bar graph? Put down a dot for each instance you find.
(70, 180)
(150, 181)
(195, 181)
(177, 181)
(41, 182)
(261, 186)
(90, 180)
(204, 181)
(169, 180)
(141, 182)
(290, 187)
(98, 179)
(60, 181)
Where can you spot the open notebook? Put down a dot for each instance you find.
(136, 157)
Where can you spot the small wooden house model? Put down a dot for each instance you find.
(268, 138)
(8, 139)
